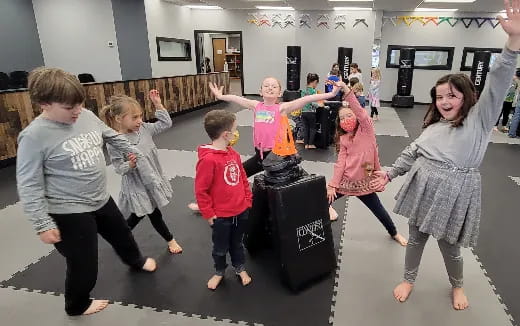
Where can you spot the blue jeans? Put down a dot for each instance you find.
(514, 122)
(228, 233)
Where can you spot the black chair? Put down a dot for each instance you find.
(4, 81)
(86, 78)
(18, 79)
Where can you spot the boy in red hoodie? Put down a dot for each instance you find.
(223, 194)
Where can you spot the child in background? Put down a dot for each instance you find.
(373, 93)
(61, 178)
(441, 195)
(141, 194)
(309, 112)
(355, 72)
(296, 116)
(358, 91)
(223, 194)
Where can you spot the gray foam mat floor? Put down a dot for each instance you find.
(179, 285)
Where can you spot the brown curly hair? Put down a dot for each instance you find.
(461, 83)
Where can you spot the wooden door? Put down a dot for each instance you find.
(219, 53)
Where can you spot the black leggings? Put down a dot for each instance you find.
(373, 110)
(157, 223)
(79, 246)
(506, 110)
(309, 127)
(376, 207)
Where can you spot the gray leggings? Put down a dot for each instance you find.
(451, 254)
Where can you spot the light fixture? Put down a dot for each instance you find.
(202, 7)
(434, 9)
(450, 1)
(351, 0)
(352, 8)
(273, 8)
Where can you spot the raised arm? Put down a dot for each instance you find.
(164, 121)
(365, 123)
(288, 107)
(242, 101)
(489, 105)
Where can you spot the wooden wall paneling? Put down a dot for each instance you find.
(178, 93)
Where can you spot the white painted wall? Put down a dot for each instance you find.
(431, 35)
(165, 19)
(265, 48)
(74, 36)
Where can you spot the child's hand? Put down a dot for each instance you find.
(512, 25)
(155, 98)
(381, 181)
(331, 194)
(132, 160)
(211, 220)
(217, 91)
(50, 236)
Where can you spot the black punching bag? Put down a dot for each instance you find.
(294, 56)
(344, 60)
(403, 98)
(480, 69)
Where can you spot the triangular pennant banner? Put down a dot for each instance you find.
(467, 21)
(494, 24)
(430, 19)
(481, 21)
(449, 20)
(360, 20)
(419, 19)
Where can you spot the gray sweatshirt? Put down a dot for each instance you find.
(60, 168)
(466, 145)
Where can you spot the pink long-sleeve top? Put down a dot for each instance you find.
(358, 156)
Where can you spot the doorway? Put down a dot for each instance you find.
(217, 51)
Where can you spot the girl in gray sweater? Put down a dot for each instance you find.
(142, 192)
(441, 195)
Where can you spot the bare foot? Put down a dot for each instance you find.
(214, 281)
(402, 291)
(333, 214)
(400, 239)
(194, 207)
(174, 247)
(460, 301)
(96, 306)
(149, 265)
(245, 278)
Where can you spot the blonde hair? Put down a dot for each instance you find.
(376, 73)
(358, 87)
(119, 105)
(53, 85)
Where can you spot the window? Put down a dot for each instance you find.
(426, 57)
(467, 57)
(172, 49)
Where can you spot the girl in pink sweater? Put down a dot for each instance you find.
(357, 160)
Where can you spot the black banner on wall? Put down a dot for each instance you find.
(344, 61)
(405, 73)
(294, 57)
(480, 69)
